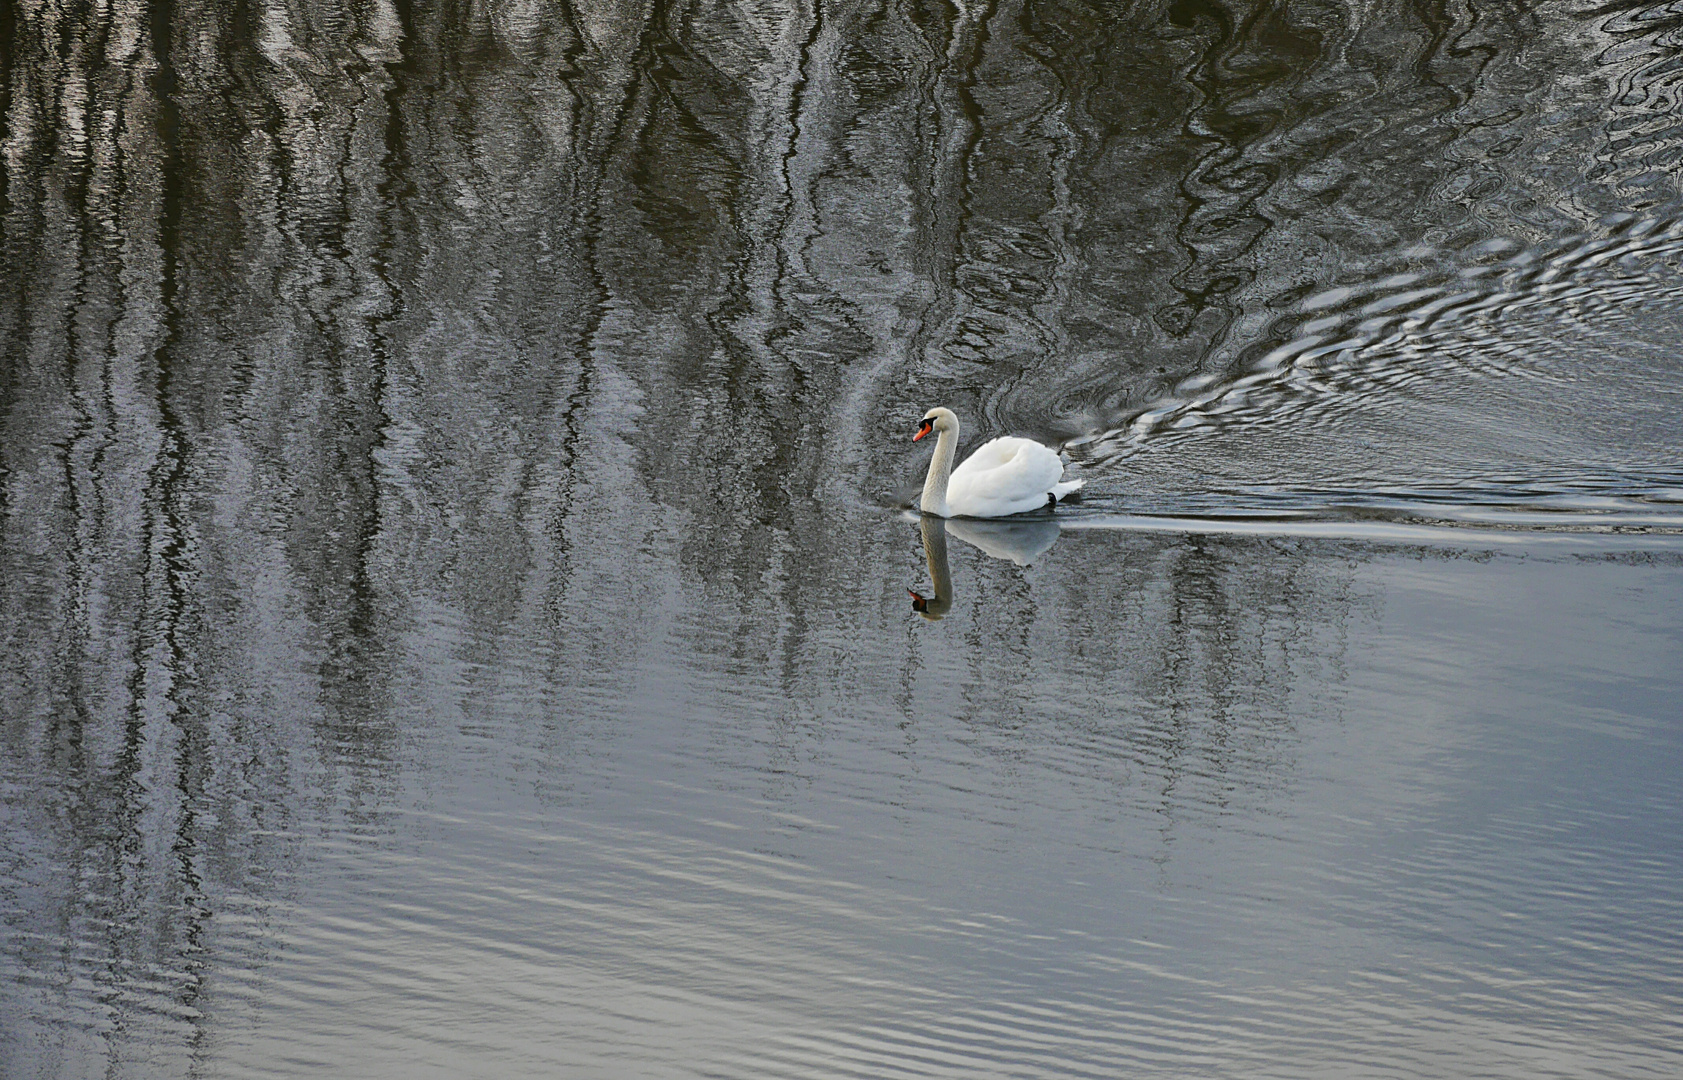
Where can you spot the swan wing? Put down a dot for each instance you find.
(1008, 475)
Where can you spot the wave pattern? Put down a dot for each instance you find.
(452, 624)
(1523, 339)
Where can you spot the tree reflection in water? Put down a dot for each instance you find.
(392, 392)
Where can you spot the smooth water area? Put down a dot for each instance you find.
(455, 551)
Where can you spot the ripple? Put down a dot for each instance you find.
(449, 633)
(1381, 373)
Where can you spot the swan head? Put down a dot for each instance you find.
(936, 419)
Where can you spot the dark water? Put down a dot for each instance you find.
(454, 566)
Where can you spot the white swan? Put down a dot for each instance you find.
(1005, 476)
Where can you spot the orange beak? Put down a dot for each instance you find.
(924, 430)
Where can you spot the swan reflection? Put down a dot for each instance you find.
(934, 532)
(1021, 541)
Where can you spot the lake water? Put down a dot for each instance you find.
(455, 545)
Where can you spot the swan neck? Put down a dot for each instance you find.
(940, 470)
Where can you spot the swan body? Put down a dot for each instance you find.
(1004, 476)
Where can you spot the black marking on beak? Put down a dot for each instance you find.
(919, 603)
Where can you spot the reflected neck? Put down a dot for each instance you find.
(934, 533)
(934, 499)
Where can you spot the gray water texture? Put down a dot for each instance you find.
(454, 545)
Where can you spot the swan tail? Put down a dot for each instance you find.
(1067, 491)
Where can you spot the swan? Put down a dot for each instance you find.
(1004, 476)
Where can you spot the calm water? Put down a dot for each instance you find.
(455, 560)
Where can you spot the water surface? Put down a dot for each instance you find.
(454, 556)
